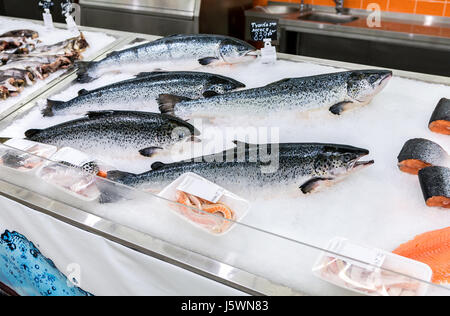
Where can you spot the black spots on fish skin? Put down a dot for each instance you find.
(207, 60)
(312, 184)
(150, 151)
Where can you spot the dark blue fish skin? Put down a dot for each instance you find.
(296, 164)
(202, 49)
(144, 90)
(25, 270)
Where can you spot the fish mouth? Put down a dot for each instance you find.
(252, 53)
(358, 164)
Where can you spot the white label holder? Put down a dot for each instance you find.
(268, 52)
(48, 20)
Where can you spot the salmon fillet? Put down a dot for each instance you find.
(433, 249)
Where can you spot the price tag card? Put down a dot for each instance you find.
(202, 189)
(263, 30)
(372, 256)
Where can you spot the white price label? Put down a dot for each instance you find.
(72, 156)
(372, 256)
(202, 189)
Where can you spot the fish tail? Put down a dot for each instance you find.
(110, 192)
(118, 176)
(167, 103)
(48, 110)
(83, 71)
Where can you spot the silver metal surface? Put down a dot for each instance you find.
(328, 17)
(182, 8)
(279, 9)
(292, 22)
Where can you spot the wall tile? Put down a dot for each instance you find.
(429, 7)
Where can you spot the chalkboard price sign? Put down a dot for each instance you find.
(263, 30)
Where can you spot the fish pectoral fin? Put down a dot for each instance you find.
(340, 107)
(209, 94)
(83, 92)
(150, 151)
(208, 60)
(157, 165)
(167, 103)
(312, 184)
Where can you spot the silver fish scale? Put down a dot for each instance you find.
(292, 94)
(139, 91)
(127, 131)
(297, 164)
(171, 48)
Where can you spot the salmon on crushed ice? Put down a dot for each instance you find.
(433, 249)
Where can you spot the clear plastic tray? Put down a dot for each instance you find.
(199, 216)
(378, 273)
(27, 161)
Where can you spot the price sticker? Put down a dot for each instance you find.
(202, 189)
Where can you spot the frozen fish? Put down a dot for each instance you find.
(143, 90)
(418, 153)
(108, 133)
(304, 165)
(336, 92)
(435, 183)
(203, 49)
(440, 119)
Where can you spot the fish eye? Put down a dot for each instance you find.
(373, 78)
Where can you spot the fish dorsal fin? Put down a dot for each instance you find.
(83, 92)
(157, 165)
(98, 114)
(239, 143)
(148, 74)
(279, 82)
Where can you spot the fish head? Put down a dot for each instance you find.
(233, 51)
(221, 85)
(363, 85)
(340, 160)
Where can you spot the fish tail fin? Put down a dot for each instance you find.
(110, 192)
(167, 103)
(83, 71)
(48, 110)
(32, 132)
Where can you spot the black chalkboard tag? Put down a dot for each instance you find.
(263, 30)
